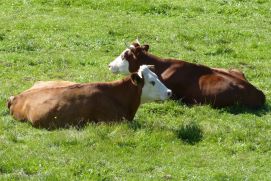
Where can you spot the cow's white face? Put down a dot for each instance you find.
(153, 89)
(120, 64)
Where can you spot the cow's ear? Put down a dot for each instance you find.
(151, 67)
(136, 79)
(138, 50)
(145, 47)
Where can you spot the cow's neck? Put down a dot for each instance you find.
(128, 95)
(149, 59)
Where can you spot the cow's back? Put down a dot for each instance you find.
(56, 107)
(74, 104)
(224, 89)
(198, 84)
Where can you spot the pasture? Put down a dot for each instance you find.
(76, 40)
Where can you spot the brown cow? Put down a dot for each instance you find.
(55, 104)
(192, 83)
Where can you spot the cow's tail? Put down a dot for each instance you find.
(10, 100)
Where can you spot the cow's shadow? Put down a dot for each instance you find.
(237, 109)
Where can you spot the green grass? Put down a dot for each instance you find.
(75, 41)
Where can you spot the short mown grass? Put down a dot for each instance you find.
(75, 41)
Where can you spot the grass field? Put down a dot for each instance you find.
(76, 39)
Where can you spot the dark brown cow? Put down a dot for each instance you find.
(192, 83)
(55, 104)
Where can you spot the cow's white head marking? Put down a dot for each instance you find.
(120, 64)
(153, 89)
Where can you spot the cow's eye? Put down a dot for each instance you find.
(126, 54)
(152, 83)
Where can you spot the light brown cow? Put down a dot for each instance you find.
(192, 83)
(55, 104)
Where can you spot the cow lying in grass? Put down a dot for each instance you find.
(55, 104)
(192, 83)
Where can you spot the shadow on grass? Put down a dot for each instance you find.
(237, 109)
(190, 133)
(135, 125)
(4, 112)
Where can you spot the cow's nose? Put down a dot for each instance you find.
(169, 93)
(113, 68)
(110, 67)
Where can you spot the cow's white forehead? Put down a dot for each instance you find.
(145, 71)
